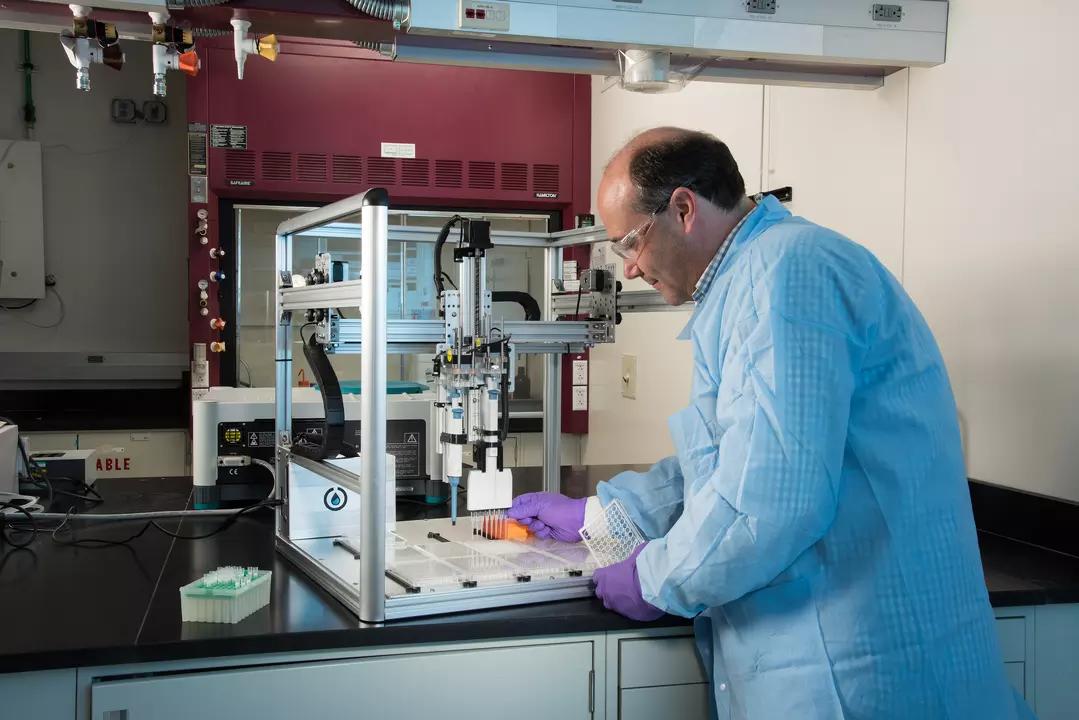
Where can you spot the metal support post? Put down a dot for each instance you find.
(373, 262)
(552, 386)
(282, 379)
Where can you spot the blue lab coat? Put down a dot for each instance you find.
(815, 521)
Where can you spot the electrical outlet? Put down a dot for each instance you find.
(481, 15)
(761, 7)
(887, 13)
(580, 372)
(580, 398)
(629, 376)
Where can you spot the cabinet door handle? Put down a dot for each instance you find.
(591, 692)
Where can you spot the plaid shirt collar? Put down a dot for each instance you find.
(710, 272)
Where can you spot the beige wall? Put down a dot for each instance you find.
(961, 179)
(635, 431)
(992, 257)
(824, 143)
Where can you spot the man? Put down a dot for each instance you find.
(815, 520)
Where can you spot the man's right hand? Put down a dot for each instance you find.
(549, 515)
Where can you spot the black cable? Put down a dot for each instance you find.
(526, 301)
(4, 525)
(97, 543)
(85, 498)
(305, 325)
(580, 289)
(26, 304)
(443, 235)
(504, 431)
(37, 480)
(449, 280)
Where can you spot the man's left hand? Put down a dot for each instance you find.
(620, 589)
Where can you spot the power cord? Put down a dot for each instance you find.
(96, 543)
(31, 523)
(55, 323)
(5, 528)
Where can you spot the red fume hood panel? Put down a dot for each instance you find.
(316, 120)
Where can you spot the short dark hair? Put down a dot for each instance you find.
(695, 160)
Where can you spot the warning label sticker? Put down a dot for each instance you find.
(232, 137)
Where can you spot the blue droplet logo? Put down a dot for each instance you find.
(335, 499)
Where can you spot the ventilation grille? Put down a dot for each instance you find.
(448, 173)
(415, 173)
(545, 178)
(347, 169)
(239, 165)
(276, 166)
(514, 176)
(381, 171)
(311, 167)
(481, 175)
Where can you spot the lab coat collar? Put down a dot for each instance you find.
(768, 212)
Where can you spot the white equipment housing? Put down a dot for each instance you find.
(825, 42)
(321, 509)
(78, 466)
(247, 416)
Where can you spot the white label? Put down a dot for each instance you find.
(398, 150)
(580, 372)
(571, 285)
(580, 398)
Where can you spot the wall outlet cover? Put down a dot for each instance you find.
(580, 372)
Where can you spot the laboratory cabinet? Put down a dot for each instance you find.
(629, 675)
(449, 685)
(656, 674)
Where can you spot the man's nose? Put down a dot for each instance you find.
(631, 270)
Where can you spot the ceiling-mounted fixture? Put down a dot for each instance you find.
(173, 50)
(89, 42)
(648, 71)
(839, 43)
(245, 45)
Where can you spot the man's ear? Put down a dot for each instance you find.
(684, 203)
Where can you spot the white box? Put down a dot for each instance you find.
(9, 458)
(79, 466)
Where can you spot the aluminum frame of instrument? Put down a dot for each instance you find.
(382, 336)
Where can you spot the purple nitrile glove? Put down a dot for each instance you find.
(620, 589)
(550, 515)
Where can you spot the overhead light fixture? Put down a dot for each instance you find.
(649, 71)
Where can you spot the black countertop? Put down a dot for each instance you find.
(69, 607)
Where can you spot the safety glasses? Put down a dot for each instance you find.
(629, 246)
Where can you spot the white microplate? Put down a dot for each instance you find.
(612, 536)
